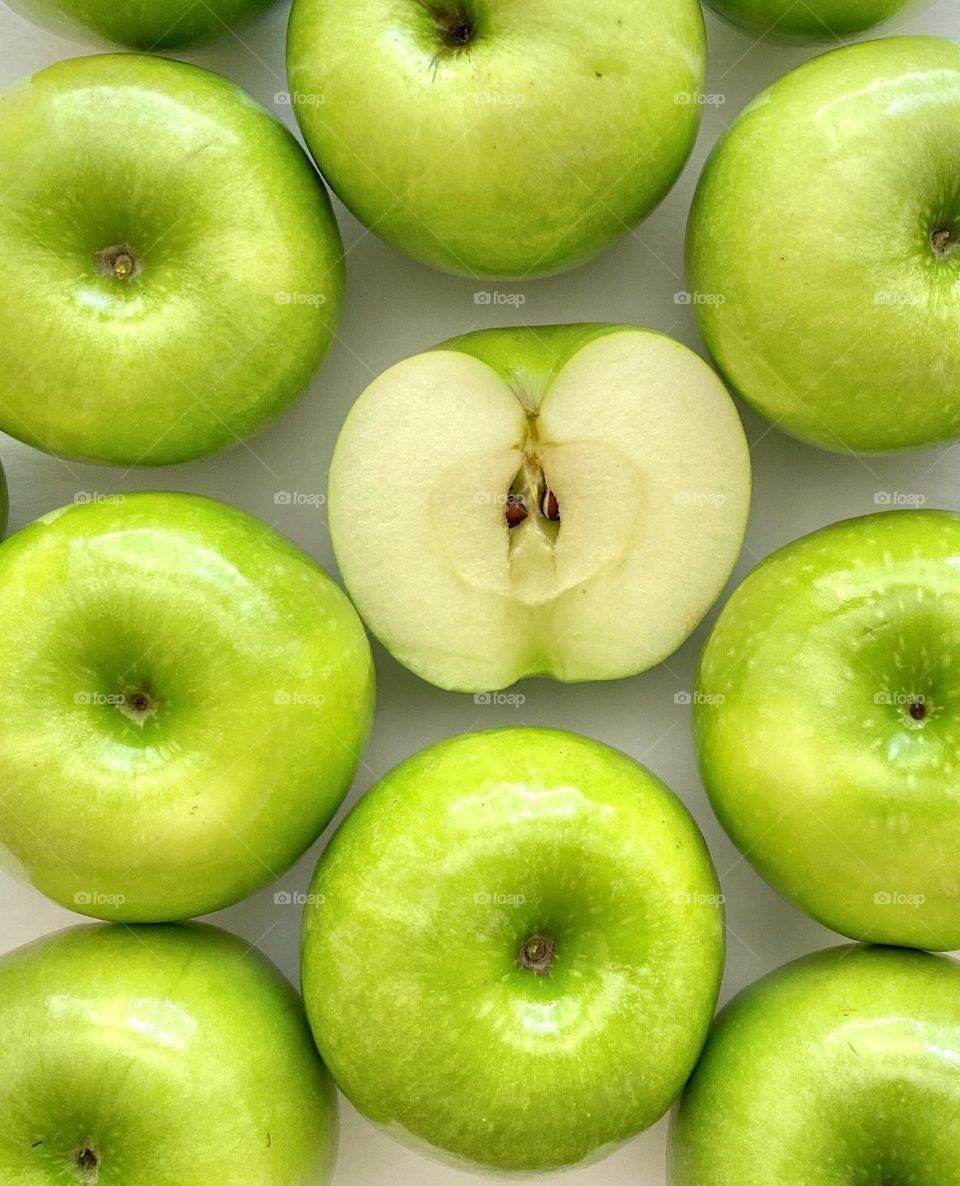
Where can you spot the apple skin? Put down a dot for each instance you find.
(557, 126)
(421, 904)
(4, 503)
(260, 691)
(225, 217)
(811, 20)
(810, 241)
(174, 1055)
(147, 25)
(838, 1068)
(836, 793)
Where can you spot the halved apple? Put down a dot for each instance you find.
(565, 501)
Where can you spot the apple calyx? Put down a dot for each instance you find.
(918, 708)
(137, 705)
(87, 1161)
(119, 262)
(536, 955)
(455, 23)
(943, 242)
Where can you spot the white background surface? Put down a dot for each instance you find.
(394, 308)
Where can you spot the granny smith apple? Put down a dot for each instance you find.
(175, 1056)
(184, 696)
(4, 502)
(149, 25)
(512, 949)
(561, 500)
(510, 138)
(824, 248)
(170, 268)
(827, 725)
(839, 1069)
(809, 20)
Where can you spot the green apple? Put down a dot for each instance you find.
(4, 502)
(809, 20)
(149, 25)
(827, 728)
(823, 248)
(564, 501)
(512, 949)
(839, 1069)
(184, 696)
(170, 268)
(509, 138)
(174, 1056)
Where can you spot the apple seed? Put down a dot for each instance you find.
(515, 512)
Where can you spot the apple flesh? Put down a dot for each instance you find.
(839, 1068)
(184, 697)
(826, 722)
(563, 500)
(498, 138)
(148, 26)
(811, 20)
(175, 1056)
(170, 268)
(512, 949)
(824, 247)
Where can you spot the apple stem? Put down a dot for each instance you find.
(536, 955)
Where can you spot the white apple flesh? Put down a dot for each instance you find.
(565, 501)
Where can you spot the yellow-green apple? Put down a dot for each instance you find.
(498, 137)
(512, 948)
(827, 725)
(824, 248)
(184, 696)
(557, 500)
(168, 1055)
(809, 20)
(170, 268)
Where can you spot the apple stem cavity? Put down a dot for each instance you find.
(454, 22)
(87, 1161)
(536, 955)
(943, 242)
(119, 263)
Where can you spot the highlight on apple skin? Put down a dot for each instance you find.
(810, 20)
(151, 26)
(190, 276)
(169, 1055)
(824, 243)
(498, 138)
(512, 949)
(840, 1067)
(565, 501)
(184, 698)
(826, 725)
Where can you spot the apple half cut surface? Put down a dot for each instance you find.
(170, 267)
(184, 698)
(565, 501)
(839, 1069)
(827, 719)
(157, 1056)
(512, 949)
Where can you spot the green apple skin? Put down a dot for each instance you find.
(231, 262)
(827, 725)
(147, 25)
(511, 138)
(174, 1055)
(839, 1069)
(422, 904)
(4, 502)
(812, 20)
(184, 696)
(824, 244)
